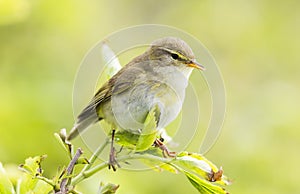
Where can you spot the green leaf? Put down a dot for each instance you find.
(149, 131)
(141, 141)
(108, 188)
(60, 174)
(6, 186)
(202, 185)
(202, 167)
(145, 141)
(126, 138)
(30, 183)
(157, 165)
(82, 160)
(166, 167)
(61, 138)
(33, 165)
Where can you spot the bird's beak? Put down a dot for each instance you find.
(196, 65)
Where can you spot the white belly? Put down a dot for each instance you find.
(129, 109)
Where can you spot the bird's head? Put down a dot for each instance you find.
(174, 51)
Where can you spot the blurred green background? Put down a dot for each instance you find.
(255, 43)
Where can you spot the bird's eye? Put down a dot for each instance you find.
(174, 56)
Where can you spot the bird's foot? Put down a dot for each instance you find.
(112, 162)
(165, 151)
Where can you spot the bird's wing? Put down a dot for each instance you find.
(119, 83)
(89, 114)
(91, 109)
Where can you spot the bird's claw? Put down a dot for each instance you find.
(159, 143)
(112, 162)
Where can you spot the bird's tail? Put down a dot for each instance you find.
(81, 124)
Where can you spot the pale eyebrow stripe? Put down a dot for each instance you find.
(181, 56)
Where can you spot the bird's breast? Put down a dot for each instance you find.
(128, 110)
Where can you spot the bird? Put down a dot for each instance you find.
(156, 78)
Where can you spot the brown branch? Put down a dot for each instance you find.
(66, 181)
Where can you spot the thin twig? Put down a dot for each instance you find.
(65, 181)
(92, 160)
(85, 174)
(96, 154)
(50, 182)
